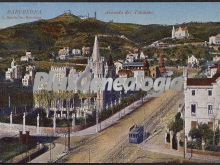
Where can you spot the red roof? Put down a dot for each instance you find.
(202, 81)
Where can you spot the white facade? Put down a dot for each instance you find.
(24, 58)
(118, 65)
(216, 59)
(86, 50)
(14, 72)
(142, 55)
(159, 44)
(28, 78)
(180, 33)
(214, 40)
(64, 57)
(28, 56)
(192, 61)
(64, 53)
(76, 52)
(202, 102)
(131, 57)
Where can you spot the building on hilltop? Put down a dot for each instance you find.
(180, 33)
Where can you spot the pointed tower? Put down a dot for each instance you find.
(173, 32)
(97, 63)
(13, 63)
(95, 53)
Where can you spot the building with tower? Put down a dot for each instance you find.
(85, 102)
(180, 33)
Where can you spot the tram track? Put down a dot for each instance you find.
(149, 126)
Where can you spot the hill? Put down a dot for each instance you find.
(70, 30)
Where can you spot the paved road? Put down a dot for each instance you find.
(50, 155)
(113, 119)
(150, 124)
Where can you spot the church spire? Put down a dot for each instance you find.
(95, 53)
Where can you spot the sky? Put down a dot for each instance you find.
(169, 13)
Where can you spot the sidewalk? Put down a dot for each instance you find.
(50, 156)
(162, 150)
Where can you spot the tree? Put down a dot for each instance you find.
(177, 125)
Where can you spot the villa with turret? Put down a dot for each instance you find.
(180, 33)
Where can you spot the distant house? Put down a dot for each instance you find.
(76, 52)
(159, 44)
(216, 59)
(118, 65)
(64, 53)
(212, 68)
(28, 56)
(125, 73)
(131, 57)
(193, 61)
(86, 51)
(214, 40)
(14, 72)
(142, 55)
(28, 78)
(180, 33)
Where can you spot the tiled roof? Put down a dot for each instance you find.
(125, 71)
(202, 81)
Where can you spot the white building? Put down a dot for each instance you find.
(64, 57)
(28, 78)
(76, 52)
(180, 33)
(193, 61)
(64, 53)
(202, 101)
(159, 44)
(214, 40)
(142, 55)
(28, 56)
(14, 72)
(216, 59)
(131, 57)
(211, 71)
(118, 65)
(86, 51)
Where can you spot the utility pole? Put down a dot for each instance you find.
(97, 119)
(68, 120)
